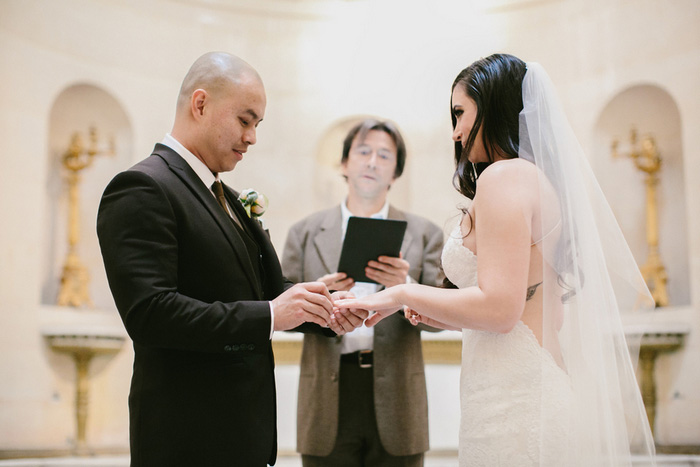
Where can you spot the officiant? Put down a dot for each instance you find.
(362, 396)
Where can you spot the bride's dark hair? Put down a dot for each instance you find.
(495, 84)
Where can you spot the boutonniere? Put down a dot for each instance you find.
(254, 204)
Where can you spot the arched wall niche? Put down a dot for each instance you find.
(330, 188)
(76, 109)
(651, 111)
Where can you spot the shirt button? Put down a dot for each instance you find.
(334, 376)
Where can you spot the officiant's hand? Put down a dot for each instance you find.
(337, 281)
(348, 319)
(388, 271)
(301, 303)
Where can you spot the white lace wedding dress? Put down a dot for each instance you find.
(514, 397)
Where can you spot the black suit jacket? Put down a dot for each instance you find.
(203, 389)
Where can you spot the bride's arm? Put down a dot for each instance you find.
(503, 226)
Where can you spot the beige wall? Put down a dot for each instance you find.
(322, 61)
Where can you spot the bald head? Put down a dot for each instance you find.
(221, 102)
(214, 72)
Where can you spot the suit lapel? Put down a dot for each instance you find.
(328, 241)
(272, 278)
(185, 173)
(251, 228)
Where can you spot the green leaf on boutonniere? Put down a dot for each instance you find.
(253, 202)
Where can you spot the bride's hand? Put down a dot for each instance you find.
(416, 318)
(433, 323)
(413, 317)
(384, 303)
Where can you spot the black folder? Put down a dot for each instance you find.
(367, 239)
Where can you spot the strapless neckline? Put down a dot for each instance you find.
(457, 235)
(459, 262)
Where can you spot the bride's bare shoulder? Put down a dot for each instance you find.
(508, 185)
(509, 171)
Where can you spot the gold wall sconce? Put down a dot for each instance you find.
(648, 160)
(75, 277)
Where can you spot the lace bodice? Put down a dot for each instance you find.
(458, 262)
(500, 392)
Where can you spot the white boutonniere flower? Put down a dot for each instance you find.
(254, 203)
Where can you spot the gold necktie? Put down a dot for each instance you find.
(218, 188)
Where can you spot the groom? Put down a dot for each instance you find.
(198, 284)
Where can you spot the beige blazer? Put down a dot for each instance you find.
(313, 249)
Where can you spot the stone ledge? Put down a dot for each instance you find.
(435, 351)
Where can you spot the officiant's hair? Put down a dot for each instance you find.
(495, 84)
(360, 131)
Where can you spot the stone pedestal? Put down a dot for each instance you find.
(83, 341)
(656, 338)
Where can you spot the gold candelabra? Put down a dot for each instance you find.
(647, 160)
(75, 278)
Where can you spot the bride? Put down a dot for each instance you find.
(547, 377)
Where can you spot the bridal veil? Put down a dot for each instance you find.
(595, 279)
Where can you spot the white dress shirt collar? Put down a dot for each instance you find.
(383, 213)
(197, 165)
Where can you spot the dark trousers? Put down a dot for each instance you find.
(358, 443)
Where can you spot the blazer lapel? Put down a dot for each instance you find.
(251, 228)
(185, 173)
(328, 241)
(272, 279)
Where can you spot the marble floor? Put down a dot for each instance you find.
(123, 461)
(284, 461)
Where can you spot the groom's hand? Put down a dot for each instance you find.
(346, 320)
(305, 302)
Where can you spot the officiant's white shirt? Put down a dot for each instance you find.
(361, 338)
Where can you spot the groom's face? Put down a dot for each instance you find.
(230, 121)
(371, 164)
